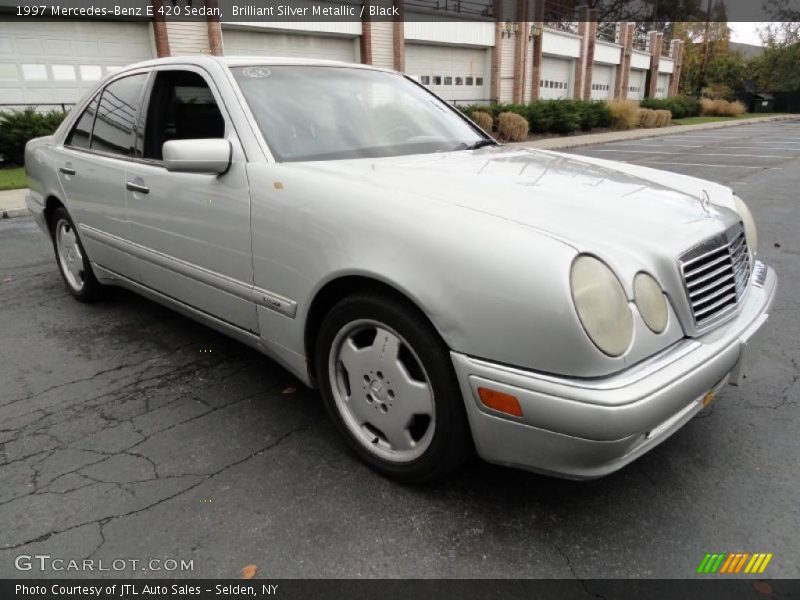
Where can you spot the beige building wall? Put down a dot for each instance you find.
(382, 44)
(188, 37)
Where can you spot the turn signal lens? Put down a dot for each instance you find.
(504, 403)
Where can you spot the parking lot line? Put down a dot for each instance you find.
(682, 164)
(661, 145)
(693, 153)
(743, 155)
(750, 148)
(633, 151)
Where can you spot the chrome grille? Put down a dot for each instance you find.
(715, 275)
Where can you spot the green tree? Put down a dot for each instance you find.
(702, 44)
(778, 69)
(727, 71)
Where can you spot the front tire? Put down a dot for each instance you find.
(71, 258)
(388, 384)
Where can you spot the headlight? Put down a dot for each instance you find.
(651, 302)
(749, 223)
(601, 305)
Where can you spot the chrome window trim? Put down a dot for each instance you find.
(230, 126)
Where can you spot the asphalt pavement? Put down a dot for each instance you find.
(130, 432)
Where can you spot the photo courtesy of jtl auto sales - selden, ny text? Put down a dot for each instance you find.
(399, 299)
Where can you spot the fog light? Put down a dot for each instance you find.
(504, 403)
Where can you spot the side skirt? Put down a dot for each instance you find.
(240, 335)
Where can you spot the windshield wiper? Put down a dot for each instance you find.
(481, 144)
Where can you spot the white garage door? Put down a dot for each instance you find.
(272, 43)
(603, 82)
(57, 61)
(636, 84)
(556, 82)
(452, 72)
(662, 91)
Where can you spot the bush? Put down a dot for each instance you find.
(469, 109)
(663, 118)
(680, 106)
(483, 120)
(649, 118)
(17, 127)
(562, 116)
(512, 127)
(592, 114)
(624, 113)
(557, 116)
(539, 117)
(722, 108)
(496, 109)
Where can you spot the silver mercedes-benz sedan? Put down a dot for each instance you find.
(556, 313)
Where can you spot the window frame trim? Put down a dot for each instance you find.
(223, 109)
(230, 126)
(74, 125)
(101, 88)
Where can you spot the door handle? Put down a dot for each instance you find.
(135, 187)
(67, 170)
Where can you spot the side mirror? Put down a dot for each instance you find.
(197, 156)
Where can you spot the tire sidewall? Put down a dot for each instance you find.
(91, 287)
(448, 441)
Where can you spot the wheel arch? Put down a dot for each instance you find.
(343, 286)
(51, 203)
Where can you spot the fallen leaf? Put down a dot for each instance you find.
(288, 390)
(249, 571)
(762, 587)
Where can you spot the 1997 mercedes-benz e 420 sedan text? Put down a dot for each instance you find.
(560, 313)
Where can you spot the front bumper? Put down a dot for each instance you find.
(588, 428)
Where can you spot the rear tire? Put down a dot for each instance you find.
(388, 384)
(71, 258)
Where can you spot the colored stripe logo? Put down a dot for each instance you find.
(734, 563)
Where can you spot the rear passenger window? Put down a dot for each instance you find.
(81, 133)
(114, 126)
(182, 107)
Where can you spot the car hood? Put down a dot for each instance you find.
(588, 203)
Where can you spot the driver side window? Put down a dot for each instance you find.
(181, 107)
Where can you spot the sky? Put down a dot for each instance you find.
(745, 33)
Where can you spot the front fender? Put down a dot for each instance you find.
(493, 288)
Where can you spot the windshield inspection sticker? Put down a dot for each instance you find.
(256, 72)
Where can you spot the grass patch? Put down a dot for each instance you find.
(701, 120)
(13, 178)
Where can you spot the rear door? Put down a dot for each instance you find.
(191, 231)
(92, 171)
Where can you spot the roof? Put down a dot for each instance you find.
(236, 61)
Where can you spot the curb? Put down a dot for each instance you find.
(623, 136)
(10, 213)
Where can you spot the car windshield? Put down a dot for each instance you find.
(309, 113)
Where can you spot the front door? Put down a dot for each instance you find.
(191, 231)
